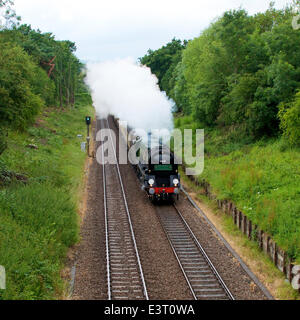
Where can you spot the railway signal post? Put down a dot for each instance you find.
(88, 120)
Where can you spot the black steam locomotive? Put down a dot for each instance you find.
(158, 172)
(156, 169)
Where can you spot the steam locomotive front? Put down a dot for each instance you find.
(163, 179)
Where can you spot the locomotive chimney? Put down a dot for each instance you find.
(149, 140)
(160, 149)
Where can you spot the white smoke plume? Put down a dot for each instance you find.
(131, 93)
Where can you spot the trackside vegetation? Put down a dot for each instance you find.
(39, 220)
(43, 103)
(261, 178)
(240, 81)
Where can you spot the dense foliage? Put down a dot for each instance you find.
(35, 71)
(236, 73)
(290, 120)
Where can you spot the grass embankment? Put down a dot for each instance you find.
(38, 220)
(262, 179)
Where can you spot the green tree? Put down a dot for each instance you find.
(8, 17)
(57, 58)
(236, 73)
(163, 62)
(20, 100)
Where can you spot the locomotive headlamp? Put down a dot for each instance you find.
(152, 191)
(176, 182)
(151, 182)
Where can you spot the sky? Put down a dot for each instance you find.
(111, 29)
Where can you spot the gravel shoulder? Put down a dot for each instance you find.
(90, 254)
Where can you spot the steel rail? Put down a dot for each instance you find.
(179, 262)
(128, 215)
(200, 274)
(106, 221)
(219, 278)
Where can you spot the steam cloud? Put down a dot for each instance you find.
(130, 92)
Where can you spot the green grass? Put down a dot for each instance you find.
(39, 221)
(262, 179)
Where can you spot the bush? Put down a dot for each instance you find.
(290, 120)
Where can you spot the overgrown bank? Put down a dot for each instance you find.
(261, 178)
(38, 220)
(41, 164)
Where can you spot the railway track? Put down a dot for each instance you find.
(125, 279)
(202, 278)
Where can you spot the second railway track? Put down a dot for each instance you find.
(202, 278)
(125, 279)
